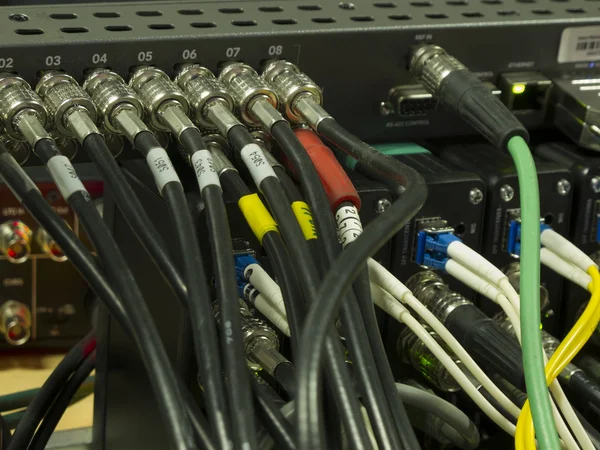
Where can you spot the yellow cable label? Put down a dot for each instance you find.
(257, 216)
(305, 219)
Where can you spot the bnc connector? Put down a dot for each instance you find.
(291, 87)
(166, 104)
(205, 93)
(219, 148)
(257, 102)
(68, 104)
(17, 98)
(430, 289)
(431, 64)
(112, 97)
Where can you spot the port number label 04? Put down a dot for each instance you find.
(579, 44)
(6, 63)
(98, 58)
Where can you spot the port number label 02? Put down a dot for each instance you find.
(6, 63)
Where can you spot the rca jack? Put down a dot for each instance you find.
(15, 241)
(49, 246)
(15, 322)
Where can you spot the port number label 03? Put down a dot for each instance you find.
(579, 44)
(53, 60)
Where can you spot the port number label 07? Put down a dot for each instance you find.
(579, 44)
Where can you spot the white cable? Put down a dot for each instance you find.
(396, 289)
(394, 308)
(266, 309)
(558, 395)
(262, 304)
(565, 249)
(475, 262)
(564, 268)
(262, 281)
(487, 289)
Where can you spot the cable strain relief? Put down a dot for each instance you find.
(464, 94)
(489, 345)
(335, 180)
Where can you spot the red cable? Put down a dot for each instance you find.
(338, 187)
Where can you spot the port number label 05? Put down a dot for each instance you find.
(579, 44)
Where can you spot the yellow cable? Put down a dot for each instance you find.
(257, 215)
(305, 219)
(564, 354)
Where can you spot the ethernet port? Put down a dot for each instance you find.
(524, 91)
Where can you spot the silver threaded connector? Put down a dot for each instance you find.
(430, 289)
(16, 96)
(112, 95)
(203, 90)
(157, 92)
(291, 85)
(430, 64)
(219, 149)
(247, 87)
(63, 97)
(413, 351)
(260, 340)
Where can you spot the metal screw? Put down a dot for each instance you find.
(595, 182)
(382, 205)
(475, 196)
(386, 109)
(346, 5)
(18, 17)
(563, 187)
(507, 193)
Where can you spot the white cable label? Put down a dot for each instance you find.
(64, 176)
(161, 167)
(349, 226)
(202, 162)
(256, 162)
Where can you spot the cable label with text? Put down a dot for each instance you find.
(64, 175)
(256, 162)
(161, 167)
(203, 164)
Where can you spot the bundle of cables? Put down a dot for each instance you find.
(320, 255)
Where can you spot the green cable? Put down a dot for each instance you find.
(533, 360)
(21, 399)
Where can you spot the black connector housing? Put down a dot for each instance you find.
(497, 170)
(488, 344)
(464, 94)
(584, 166)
